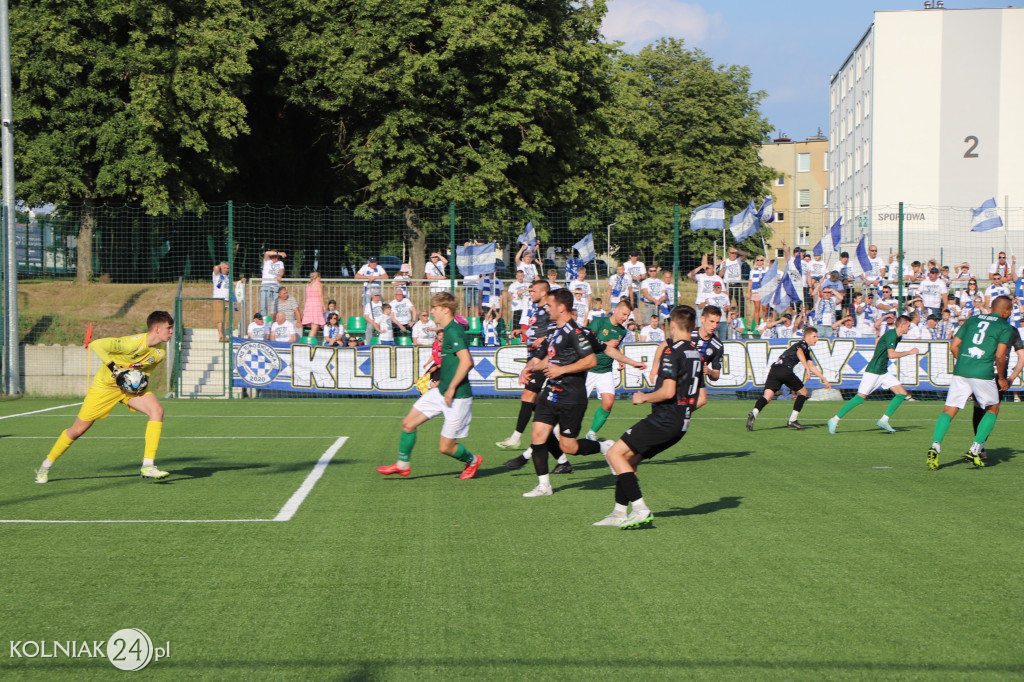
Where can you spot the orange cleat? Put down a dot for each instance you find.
(470, 470)
(393, 469)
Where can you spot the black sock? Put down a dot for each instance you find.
(630, 487)
(799, 403)
(979, 412)
(554, 447)
(525, 412)
(588, 447)
(760, 404)
(540, 458)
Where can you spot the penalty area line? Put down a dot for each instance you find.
(292, 505)
(25, 414)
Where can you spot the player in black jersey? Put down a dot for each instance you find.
(1017, 346)
(536, 324)
(708, 345)
(563, 400)
(673, 399)
(782, 373)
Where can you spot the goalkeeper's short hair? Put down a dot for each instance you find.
(158, 316)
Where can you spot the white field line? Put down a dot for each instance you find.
(163, 438)
(59, 407)
(286, 513)
(292, 505)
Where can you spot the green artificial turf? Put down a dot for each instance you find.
(776, 554)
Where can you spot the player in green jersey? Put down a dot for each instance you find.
(450, 396)
(980, 348)
(610, 331)
(877, 375)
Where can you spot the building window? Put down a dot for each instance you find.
(804, 198)
(780, 217)
(867, 153)
(780, 181)
(867, 104)
(824, 164)
(803, 236)
(803, 163)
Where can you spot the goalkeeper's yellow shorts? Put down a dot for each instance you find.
(99, 404)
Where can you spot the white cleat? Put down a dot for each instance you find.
(611, 520)
(591, 435)
(540, 491)
(638, 519)
(153, 473)
(510, 442)
(42, 475)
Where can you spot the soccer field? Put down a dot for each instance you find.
(775, 554)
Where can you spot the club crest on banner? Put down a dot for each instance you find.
(257, 363)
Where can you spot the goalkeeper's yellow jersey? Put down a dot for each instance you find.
(123, 351)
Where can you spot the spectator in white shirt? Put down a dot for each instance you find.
(257, 328)
(553, 280)
(223, 288)
(934, 293)
(526, 265)
(333, 331)
(619, 285)
(370, 273)
(282, 329)
(963, 272)
(705, 277)
(637, 271)
(580, 306)
(997, 289)
(731, 272)
(424, 331)
(519, 298)
(653, 293)
(873, 277)
(383, 323)
(581, 284)
(492, 290)
(597, 311)
(887, 302)
(433, 270)
(1002, 268)
(816, 270)
(270, 282)
(845, 329)
(719, 298)
(969, 294)
(754, 286)
(371, 312)
(653, 333)
(403, 312)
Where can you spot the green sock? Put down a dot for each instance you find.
(941, 426)
(894, 404)
(464, 455)
(850, 404)
(405, 444)
(985, 427)
(599, 419)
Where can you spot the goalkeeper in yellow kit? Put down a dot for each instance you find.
(119, 356)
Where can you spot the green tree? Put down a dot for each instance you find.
(133, 102)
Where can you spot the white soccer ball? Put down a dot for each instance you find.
(134, 381)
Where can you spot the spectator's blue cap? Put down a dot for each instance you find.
(372, 259)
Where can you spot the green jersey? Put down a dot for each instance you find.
(880, 361)
(980, 336)
(454, 341)
(605, 332)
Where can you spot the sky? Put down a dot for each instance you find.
(791, 46)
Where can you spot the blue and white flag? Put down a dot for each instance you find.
(830, 242)
(862, 255)
(709, 216)
(572, 266)
(798, 262)
(744, 224)
(785, 293)
(476, 260)
(769, 282)
(586, 248)
(529, 235)
(986, 217)
(766, 214)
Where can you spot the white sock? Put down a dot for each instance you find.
(544, 480)
(755, 411)
(562, 460)
(793, 417)
(835, 418)
(516, 435)
(528, 454)
(45, 466)
(885, 418)
(402, 465)
(976, 447)
(147, 462)
(938, 448)
(620, 510)
(639, 505)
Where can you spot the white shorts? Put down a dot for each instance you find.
(961, 388)
(602, 383)
(456, 417)
(870, 383)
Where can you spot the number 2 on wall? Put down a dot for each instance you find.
(970, 153)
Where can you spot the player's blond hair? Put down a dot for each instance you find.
(444, 299)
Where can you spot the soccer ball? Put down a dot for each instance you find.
(133, 381)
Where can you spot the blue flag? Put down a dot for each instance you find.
(830, 242)
(586, 248)
(766, 214)
(744, 224)
(818, 248)
(862, 255)
(476, 260)
(836, 232)
(986, 217)
(529, 235)
(769, 282)
(708, 217)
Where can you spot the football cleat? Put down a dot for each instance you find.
(510, 442)
(517, 462)
(796, 425)
(470, 470)
(540, 491)
(975, 460)
(591, 435)
(751, 418)
(153, 473)
(42, 475)
(393, 469)
(832, 424)
(563, 468)
(638, 519)
(611, 520)
(933, 459)
(884, 425)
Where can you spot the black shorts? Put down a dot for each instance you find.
(780, 375)
(536, 382)
(568, 417)
(652, 435)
